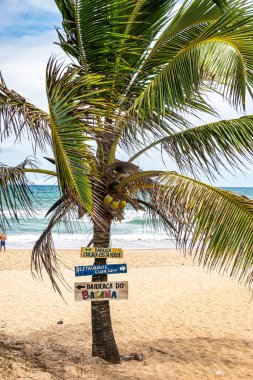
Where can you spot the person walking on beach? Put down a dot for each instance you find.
(3, 238)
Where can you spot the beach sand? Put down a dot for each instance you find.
(189, 324)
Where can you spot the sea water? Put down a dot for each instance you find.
(133, 232)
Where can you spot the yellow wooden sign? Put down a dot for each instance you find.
(98, 252)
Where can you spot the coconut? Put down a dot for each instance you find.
(122, 204)
(114, 205)
(108, 200)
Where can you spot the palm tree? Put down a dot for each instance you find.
(140, 68)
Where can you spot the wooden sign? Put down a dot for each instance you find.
(101, 291)
(89, 270)
(101, 252)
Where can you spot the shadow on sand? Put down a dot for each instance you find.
(63, 352)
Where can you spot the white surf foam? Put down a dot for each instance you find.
(142, 240)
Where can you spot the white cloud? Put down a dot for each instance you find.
(17, 6)
(44, 5)
(15, 12)
(23, 64)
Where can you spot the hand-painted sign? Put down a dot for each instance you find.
(101, 291)
(101, 252)
(89, 270)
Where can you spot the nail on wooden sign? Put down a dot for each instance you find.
(101, 291)
(99, 252)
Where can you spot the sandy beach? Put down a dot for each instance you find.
(189, 324)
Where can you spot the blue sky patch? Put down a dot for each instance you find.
(29, 17)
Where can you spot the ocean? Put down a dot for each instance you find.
(133, 232)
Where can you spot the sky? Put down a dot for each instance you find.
(27, 36)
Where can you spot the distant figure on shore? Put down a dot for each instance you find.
(3, 238)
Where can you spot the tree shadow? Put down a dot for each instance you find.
(64, 353)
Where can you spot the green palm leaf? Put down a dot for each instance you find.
(68, 42)
(218, 51)
(221, 3)
(116, 32)
(208, 147)
(181, 78)
(99, 27)
(72, 154)
(145, 20)
(137, 132)
(187, 23)
(213, 223)
(216, 223)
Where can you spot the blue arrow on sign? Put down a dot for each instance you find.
(89, 270)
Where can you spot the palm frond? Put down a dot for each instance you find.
(95, 26)
(16, 197)
(19, 117)
(156, 215)
(181, 78)
(44, 254)
(217, 224)
(221, 3)
(214, 224)
(207, 148)
(55, 205)
(114, 34)
(139, 177)
(73, 156)
(181, 29)
(218, 51)
(94, 31)
(68, 41)
(141, 129)
(145, 20)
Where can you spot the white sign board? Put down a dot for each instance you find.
(101, 291)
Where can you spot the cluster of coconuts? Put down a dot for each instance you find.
(114, 204)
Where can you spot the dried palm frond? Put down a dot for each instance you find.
(19, 117)
(156, 214)
(44, 254)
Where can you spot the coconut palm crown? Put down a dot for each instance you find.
(140, 68)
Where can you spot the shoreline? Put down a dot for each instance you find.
(61, 242)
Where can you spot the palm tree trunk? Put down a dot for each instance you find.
(103, 342)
